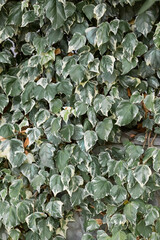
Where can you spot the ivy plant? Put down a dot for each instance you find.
(74, 77)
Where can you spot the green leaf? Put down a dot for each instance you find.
(151, 216)
(55, 105)
(92, 225)
(55, 13)
(126, 112)
(91, 35)
(11, 85)
(67, 132)
(6, 33)
(134, 152)
(88, 11)
(119, 236)
(54, 209)
(33, 134)
(149, 102)
(156, 37)
(114, 25)
(77, 41)
(10, 219)
(146, 6)
(136, 191)
(29, 170)
(118, 219)
(23, 210)
(90, 139)
(118, 193)
(77, 73)
(152, 58)
(41, 116)
(15, 188)
(128, 65)
(81, 108)
(15, 234)
(102, 34)
(31, 220)
(66, 175)
(143, 230)
(5, 57)
(44, 229)
(130, 211)
(69, 9)
(156, 160)
(101, 187)
(104, 128)
(3, 102)
(56, 184)
(107, 64)
(142, 174)
(46, 154)
(99, 10)
(37, 182)
(62, 159)
(7, 130)
(77, 197)
(129, 44)
(28, 17)
(15, 15)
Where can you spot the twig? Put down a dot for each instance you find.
(149, 136)
(152, 142)
(145, 140)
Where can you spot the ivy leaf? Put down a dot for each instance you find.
(142, 174)
(56, 184)
(33, 134)
(7, 130)
(156, 160)
(3, 102)
(151, 216)
(54, 209)
(143, 230)
(119, 236)
(129, 44)
(90, 139)
(118, 194)
(31, 220)
(101, 187)
(104, 128)
(128, 65)
(99, 10)
(55, 13)
(67, 132)
(62, 159)
(66, 175)
(78, 40)
(91, 35)
(107, 64)
(149, 102)
(92, 225)
(102, 34)
(130, 211)
(23, 210)
(88, 11)
(11, 85)
(152, 58)
(28, 17)
(126, 112)
(14, 189)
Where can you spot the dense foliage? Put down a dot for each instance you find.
(74, 76)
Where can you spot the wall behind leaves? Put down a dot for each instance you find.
(75, 75)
